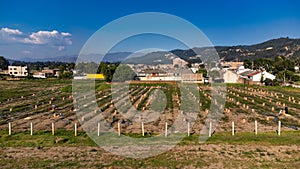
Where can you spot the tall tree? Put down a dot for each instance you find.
(284, 67)
(3, 63)
(123, 73)
(247, 64)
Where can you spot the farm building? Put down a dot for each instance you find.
(51, 72)
(46, 73)
(255, 76)
(152, 75)
(184, 75)
(40, 75)
(18, 71)
(230, 76)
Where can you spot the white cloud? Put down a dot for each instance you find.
(65, 34)
(10, 31)
(10, 35)
(51, 38)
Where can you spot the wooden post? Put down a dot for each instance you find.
(279, 127)
(98, 128)
(255, 127)
(143, 131)
(31, 128)
(209, 130)
(9, 128)
(188, 129)
(75, 133)
(232, 128)
(53, 130)
(166, 129)
(119, 129)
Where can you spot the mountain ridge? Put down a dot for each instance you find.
(286, 47)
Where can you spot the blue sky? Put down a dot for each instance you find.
(56, 28)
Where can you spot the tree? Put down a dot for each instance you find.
(284, 68)
(203, 72)
(71, 66)
(214, 74)
(269, 82)
(61, 68)
(102, 67)
(66, 75)
(123, 73)
(109, 72)
(264, 64)
(247, 64)
(295, 78)
(3, 63)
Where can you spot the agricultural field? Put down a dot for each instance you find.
(46, 102)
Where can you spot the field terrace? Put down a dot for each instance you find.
(28, 102)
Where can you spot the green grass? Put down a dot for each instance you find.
(26, 87)
(44, 138)
(67, 138)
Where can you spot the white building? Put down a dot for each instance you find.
(230, 76)
(242, 69)
(39, 75)
(255, 77)
(18, 71)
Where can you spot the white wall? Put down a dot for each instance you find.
(230, 77)
(18, 71)
(265, 74)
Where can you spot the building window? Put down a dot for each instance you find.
(15, 68)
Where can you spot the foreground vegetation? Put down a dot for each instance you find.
(222, 150)
(67, 138)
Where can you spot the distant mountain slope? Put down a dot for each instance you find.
(152, 58)
(269, 49)
(276, 47)
(110, 57)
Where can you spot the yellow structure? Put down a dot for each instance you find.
(95, 76)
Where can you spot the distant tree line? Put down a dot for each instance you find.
(282, 67)
(41, 65)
